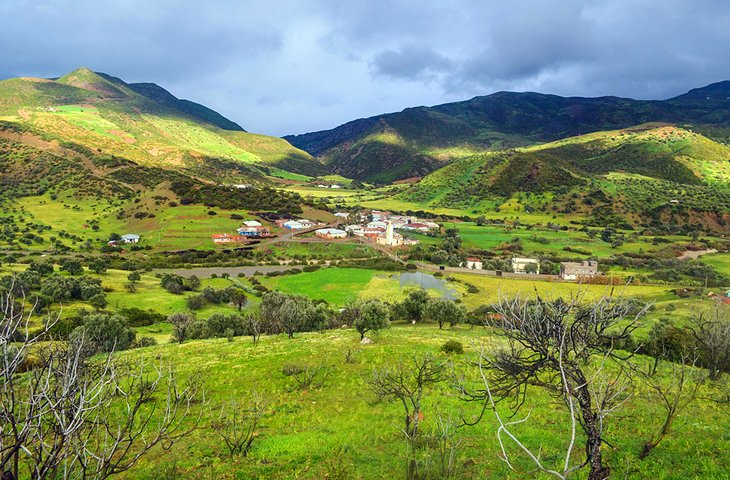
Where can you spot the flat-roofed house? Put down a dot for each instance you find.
(575, 270)
(330, 233)
(525, 265)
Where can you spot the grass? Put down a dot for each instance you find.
(719, 261)
(336, 285)
(313, 434)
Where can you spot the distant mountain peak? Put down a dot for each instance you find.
(87, 79)
(713, 91)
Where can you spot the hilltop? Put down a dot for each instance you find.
(145, 124)
(422, 139)
(647, 174)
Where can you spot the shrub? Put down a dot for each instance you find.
(146, 342)
(452, 346)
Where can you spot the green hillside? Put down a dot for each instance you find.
(505, 120)
(645, 174)
(145, 124)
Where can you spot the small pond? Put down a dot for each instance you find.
(428, 282)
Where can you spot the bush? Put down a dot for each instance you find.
(145, 342)
(452, 346)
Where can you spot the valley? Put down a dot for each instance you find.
(286, 277)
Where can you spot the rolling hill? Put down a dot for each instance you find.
(145, 124)
(644, 175)
(430, 137)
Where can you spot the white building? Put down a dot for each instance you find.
(293, 225)
(575, 270)
(377, 224)
(473, 263)
(390, 238)
(520, 265)
(130, 238)
(330, 233)
(251, 223)
(343, 215)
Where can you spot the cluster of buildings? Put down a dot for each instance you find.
(380, 227)
(568, 270)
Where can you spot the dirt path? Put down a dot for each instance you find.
(695, 254)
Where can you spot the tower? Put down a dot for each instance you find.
(389, 234)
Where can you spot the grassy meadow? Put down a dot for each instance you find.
(339, 430)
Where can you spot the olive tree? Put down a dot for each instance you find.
(372, 315)
(444, 311)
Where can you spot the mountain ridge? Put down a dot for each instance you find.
(512, 119)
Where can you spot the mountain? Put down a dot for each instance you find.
(430, 137)
(145, 124)
(647, 175)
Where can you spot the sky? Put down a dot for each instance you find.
(285, 67)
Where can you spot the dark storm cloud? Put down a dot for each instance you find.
(300, 65)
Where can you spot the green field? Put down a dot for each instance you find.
(339, 429)
(719, 261)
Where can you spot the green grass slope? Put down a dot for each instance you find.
(650, 173)
(143, 123)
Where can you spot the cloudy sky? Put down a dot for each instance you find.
(280, 67)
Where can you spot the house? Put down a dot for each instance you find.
(306, 223)
(356, 230)
(293, 225)
(575, 270)
(335, 186)
(525, 265)
(242, 185)
(130, 238)
(254, 231)
(379, 216)
(330, 233)
(227, 238)
(343, 215)
(473, 263)
(416, 227)
(251, 223)
(377, 224)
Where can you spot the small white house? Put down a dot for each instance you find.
(343, 215)
(130, 238)
(525, 265)
(472, 263)
(293, 225)
(330, 233)
(377, 224)
(251, 223)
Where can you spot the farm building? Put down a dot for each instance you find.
(330, 233)
(525, 265)
(251, 223)
(254, 231)
(575, 270)
(343, 215)
(227, 238)
(293, 225)
(130, 238)
(473, 262)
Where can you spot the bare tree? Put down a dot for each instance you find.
(406, 382)
(563, 348)
(712, 334)
(62, 416)
(673, 394)
(181, 323)
(237, 424)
